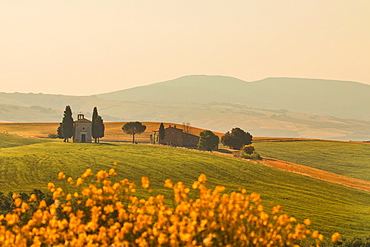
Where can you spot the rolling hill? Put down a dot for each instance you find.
(272, 107)
(348, 159)
(113, 130)
(331, 207)
(341, 99)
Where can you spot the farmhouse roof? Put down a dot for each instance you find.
(180, 130)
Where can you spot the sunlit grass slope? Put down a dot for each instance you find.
(13, 141)
(331, 207)
(348, 159)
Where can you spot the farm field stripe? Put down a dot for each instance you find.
(317, 174)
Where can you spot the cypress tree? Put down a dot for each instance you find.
(94, 128)
(161, 132)
(60, 131)
(99, 128)
(67, 124)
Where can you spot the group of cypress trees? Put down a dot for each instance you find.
(65, 129)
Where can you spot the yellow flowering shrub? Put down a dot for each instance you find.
(104, 212)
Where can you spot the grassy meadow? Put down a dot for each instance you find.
(331, 207)
(344, 158)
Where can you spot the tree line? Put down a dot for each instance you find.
(66, 128)
(235, 139)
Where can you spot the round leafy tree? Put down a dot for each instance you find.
(237, 138)
(208, 141)
(133, 128)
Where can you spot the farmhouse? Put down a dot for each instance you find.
(175, 137)
(82, 129)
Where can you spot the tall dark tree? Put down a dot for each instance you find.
(67, 124)
(236, 139)
(161, 131)
(208, 141)
(60, 131)
(99, 128)
(133, 128)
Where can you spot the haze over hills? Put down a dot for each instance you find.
(283, 107)
(313, 96)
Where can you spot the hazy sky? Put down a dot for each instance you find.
(87, 46)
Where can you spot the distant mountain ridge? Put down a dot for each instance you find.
(272, 107)
(313, 96)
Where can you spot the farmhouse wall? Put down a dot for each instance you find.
(177, 137)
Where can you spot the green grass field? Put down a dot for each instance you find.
(331, 207)
(348, 159)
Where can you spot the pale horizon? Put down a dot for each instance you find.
(92, 47)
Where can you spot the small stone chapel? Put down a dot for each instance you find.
(82, 129)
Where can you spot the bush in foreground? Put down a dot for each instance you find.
(249, 152)
(105, 212)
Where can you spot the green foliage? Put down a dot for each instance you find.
(208, 141)
(60, 131)
(7, 201)
(249, 152)
(331, 207)
(67, 124)
(236, 139)
(97, 126)
(133, 128)
(248, 149)
(252, 156)
(161, 132)
(93, 127)
(100, 127)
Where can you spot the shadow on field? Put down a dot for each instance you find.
(225, 151)
(107, 144)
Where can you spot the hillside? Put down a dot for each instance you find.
(331, 207)
(312, 96)
(113, 130)
(273, 107)
(348, 159)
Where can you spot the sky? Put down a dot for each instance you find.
(89, 47)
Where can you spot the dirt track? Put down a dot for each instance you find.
(318, 174)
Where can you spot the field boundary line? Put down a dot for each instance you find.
(317, 174)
